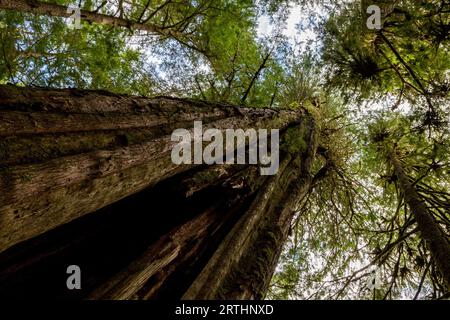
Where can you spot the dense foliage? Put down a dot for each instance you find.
(371, 91)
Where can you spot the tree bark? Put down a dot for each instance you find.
(55, 10)
(80, 171)
(430, 230)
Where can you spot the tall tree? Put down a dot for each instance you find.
(426, 215)
(221, 228)
(431, 232)
(361, 199)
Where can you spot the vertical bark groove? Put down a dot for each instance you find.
(87, 176)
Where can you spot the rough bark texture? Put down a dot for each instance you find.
(430, 230)
(86, 178)
(243, 265)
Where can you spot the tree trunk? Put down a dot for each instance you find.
(86, 178)
(430, 230)
(55, 10)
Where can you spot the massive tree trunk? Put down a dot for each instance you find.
(430, 230)
(86, 178)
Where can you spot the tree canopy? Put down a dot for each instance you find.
(376, 94)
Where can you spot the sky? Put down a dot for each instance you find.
(297, 28)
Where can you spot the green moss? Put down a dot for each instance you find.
(312, 110)
(22, 150)
(294, 105)
(294, 140)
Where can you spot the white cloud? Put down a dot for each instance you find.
(264, 26)
(297, 28)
